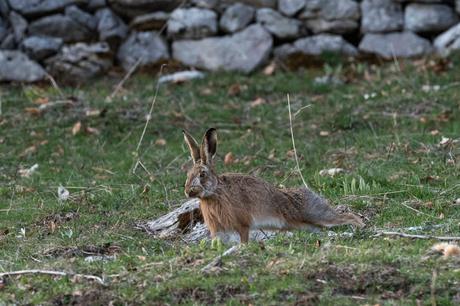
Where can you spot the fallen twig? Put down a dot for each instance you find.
(149, 116)
(293, 143)
(125, 78)
(404, 235)
(55, 84)
(57, 273)
(433, 287)
(216, 261)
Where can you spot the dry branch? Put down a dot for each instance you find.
(56, 273)
(186, 223)
(293, 143)
(404, 235)
(217, 261)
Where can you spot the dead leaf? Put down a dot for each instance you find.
(324, 133)
(430, 178)
(258, 101)
(141, 258)
(76, 128)
(270, 69)
(234, 90)
(434, 132)
(27, 172)
(30, 150)
(146, 189)
(160, 142)
(443, 117)
(41, 101)
(92, 112)
(33, 111)
(91, 130)
(229, 159)
(206, 91)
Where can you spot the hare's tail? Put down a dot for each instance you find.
(336, 219)
(319, 212)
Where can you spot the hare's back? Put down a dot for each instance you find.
(257, 195)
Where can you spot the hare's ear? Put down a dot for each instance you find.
(192, 146)
(208, 146)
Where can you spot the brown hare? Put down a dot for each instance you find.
(239, 203)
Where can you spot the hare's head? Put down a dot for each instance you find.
(201, 179)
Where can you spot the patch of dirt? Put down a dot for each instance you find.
(299, 298)
(219, 294)
(92, 297)
(385, 281)
(83, 251)
(51, 222)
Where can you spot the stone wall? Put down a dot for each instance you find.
(80, 39)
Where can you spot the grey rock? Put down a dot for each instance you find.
(146, 47)
(255, 3)
(41, 47)
(339, 26)
(61, 26)
(429, 18)
(39, 7)
(133, 8)
(331, 16)
(8, 42)
(16, 66)
(152, 21)
(94, 5)
(405, 44)
(209, 4)
(19, 25)
(4, 9)
(316, 45)
(331, 9)
(277, 24)
(3, 29)
(236, 17)
(83, 18)
(111, 28)
(448, 41)
(457, 6)
(290, 7)
(243, 51)
(81, 61)
(192, 23)
(423, 1)
(381, 16)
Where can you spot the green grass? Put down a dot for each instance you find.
(396, 176)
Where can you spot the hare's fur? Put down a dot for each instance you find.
(237, 202)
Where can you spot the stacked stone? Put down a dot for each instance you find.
(79, 39)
